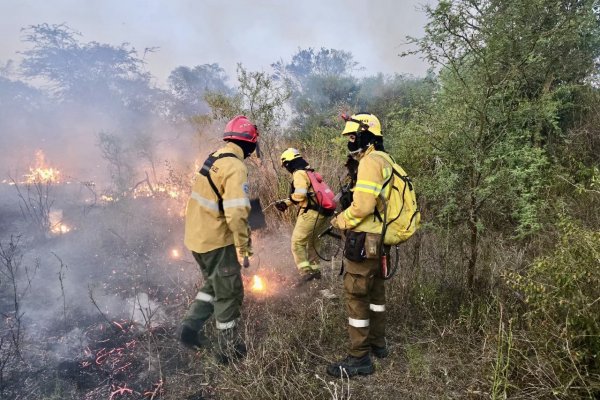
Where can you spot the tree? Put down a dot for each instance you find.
(18, 98)
(308, 62)
(320, 83)
(508, 70)
(396, 98)
(261, 99)
(101, 75)
(116, 154)
(189, 85)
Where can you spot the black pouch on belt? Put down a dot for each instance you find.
(354, 247)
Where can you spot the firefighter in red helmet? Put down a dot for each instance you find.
(218, 234)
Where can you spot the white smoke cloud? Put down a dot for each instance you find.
(255, 33)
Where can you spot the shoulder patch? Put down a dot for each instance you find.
(245, 188)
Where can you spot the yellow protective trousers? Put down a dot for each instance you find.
(305, 243)
(365, 304)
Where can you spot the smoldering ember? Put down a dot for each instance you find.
(100, 280)
(411, 236)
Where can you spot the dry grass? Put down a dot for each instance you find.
(446, 343)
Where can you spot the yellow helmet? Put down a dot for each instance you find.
(361, 122)
(289, 155)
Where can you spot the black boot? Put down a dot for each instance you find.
(231, 346)
(192, 339)
(351, 366)
(231, 353)
(307, 277)
(380, 352)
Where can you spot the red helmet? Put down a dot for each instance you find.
(240, 128)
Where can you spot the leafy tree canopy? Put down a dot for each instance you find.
(188, 86)
(93, 72)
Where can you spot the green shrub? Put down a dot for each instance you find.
(562, 294)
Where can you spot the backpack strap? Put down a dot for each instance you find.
(205, 171)
(313, 204)
(405, 179)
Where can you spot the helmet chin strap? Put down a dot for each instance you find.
(357, 147)
(357, 154)
(257, 151)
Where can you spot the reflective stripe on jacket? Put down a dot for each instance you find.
(302, 189)
(206, 228)
(373, 172)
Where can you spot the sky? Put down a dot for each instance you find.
(255, 33)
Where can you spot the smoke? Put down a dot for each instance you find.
(114, 262)
(254, 33)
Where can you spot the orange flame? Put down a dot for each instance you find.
(41, 173)
(57, 226)
(258, 284)
(175, 253)
(107, 198)
(158, 189)
(60, 228)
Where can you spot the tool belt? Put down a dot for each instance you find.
(361, 246)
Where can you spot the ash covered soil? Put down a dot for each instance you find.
(97, 304)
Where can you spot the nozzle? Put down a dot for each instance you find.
(325, 232)
(329, 231)
(246, 262)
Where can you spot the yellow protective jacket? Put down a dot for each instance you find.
(373, 171)
(302, 189)
(206, 228)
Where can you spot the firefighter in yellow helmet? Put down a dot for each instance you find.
(310, 221)
(217, 233)
(363, 282)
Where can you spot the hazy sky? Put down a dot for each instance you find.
(256, 32)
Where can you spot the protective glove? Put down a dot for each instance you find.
(333, 222)
(281, 205)
(245, 251)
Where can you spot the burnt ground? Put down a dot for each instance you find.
(99, 306)
(90, 305)
(96, 311)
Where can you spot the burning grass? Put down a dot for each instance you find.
(264, 283)
(41, 172)
(125, 254)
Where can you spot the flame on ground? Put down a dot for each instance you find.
(60, 229)
(258, 284)
(41, 173)
(107, 198)
(57, 226)
(175, 253)
(156, 190)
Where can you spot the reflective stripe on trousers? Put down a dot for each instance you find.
(223, 290)
(365, 304)
(205, 297)
(358, 323)
(226, 325)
